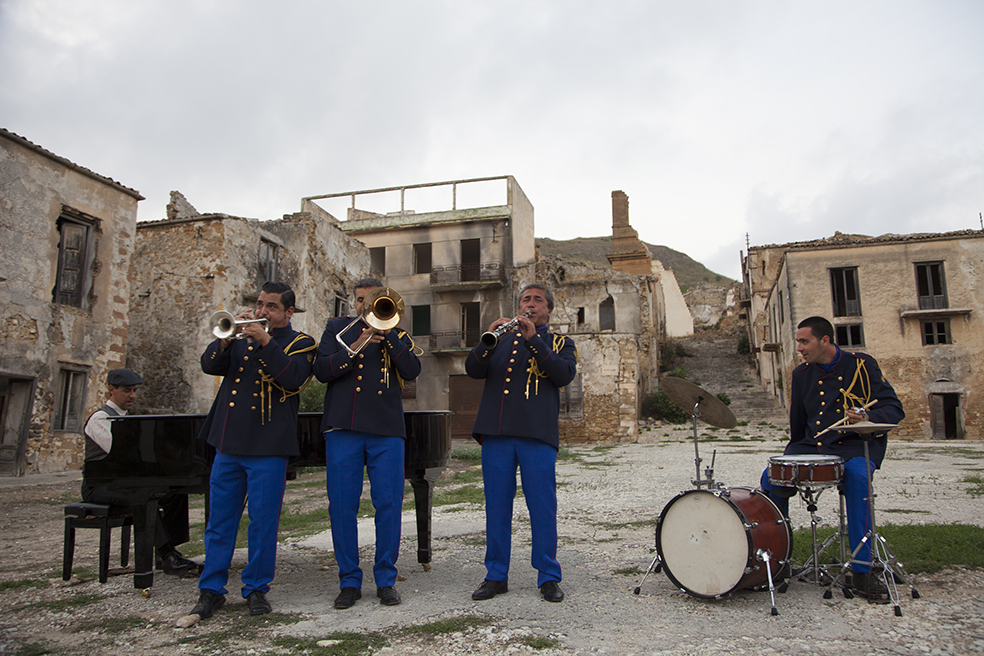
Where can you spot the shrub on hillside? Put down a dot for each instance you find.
(659, 406)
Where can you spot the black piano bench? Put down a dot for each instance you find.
(105, 518)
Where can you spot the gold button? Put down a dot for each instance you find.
(240, 368)
(359, 389)
(245, 357)
(818, 422)
(505, 391)
(819, 443)
(359, 378)
(511, 360)
(380, 392)
(362, 355)
(840, 378)
(509, 380)
(382, 380)
(360, 366)
(249, 348)
(232, 405)
(253, 408)
(255, 394)
(234, 392)
(821, 393)
(509, 370)
(237, 380)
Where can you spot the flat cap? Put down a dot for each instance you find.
(123, 378)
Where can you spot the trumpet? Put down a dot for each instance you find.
(226, 326)
(382, 309)
(491, 338)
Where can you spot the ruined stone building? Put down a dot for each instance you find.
(914, 302)
(67, 236)
(189, 265)
(459, 268)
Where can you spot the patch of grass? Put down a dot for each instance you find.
(461, 477)
(450, 625)
(628, 571)
(36, 649)
(349, 644)
(470, 454)
(74, 601)
(978, 485)
(539, 642)
(20, 584)
(296, 523)
(463, 494)
(477, 540)
(121, 624)
(920, 548)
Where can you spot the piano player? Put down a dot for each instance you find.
(172, 508)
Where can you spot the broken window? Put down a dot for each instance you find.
(936, 332)
(580, 317)
(931, 286)
(377, 259)
(844, 289)
(606, 314)
(849, 336)
(76, 251)
(69, 400)
(422, 258)
(267, 261)
(420, 320)
(341, 304)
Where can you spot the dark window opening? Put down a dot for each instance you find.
(936, 332)
(422, 258)
(944, 410)
(849, 336)
(606, 314)
(70, 400)
(420, 320)
(267, 269)
(931, 286)
(846, 296)
(572, 399)
(76, 251)
(471, 331)
(377, 259)
(341, 304)
(580, 317)
(471, 259)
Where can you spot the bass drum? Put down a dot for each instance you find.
(710, 542)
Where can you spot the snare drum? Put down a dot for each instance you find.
(806, 471)
(710, 542)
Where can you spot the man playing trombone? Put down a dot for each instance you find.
(364, 361)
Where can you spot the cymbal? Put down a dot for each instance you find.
(686, 395)
(864, 427)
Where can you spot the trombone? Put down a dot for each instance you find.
(226, 326)
(382, 309)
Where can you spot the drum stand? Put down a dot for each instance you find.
(812, 568)
(882, 558)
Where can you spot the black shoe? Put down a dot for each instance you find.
(176, 564)
(347, 598)
(208, 603)
(551, 591)
(388, 596)
(489, 589)
(870, 586)
(258, 604)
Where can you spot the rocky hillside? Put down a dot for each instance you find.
(593, 250)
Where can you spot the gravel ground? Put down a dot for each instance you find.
(609, 501)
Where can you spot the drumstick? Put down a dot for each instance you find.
(841, 421)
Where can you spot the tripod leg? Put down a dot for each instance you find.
(653, 567)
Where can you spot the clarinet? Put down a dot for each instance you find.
(491, 338)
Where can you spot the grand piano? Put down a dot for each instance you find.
(157, 454)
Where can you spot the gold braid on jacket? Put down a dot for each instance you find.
(861, 379)
(268, 383)
(533, 372)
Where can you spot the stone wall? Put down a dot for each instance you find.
(38, 337)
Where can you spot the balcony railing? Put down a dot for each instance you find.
(465, 273)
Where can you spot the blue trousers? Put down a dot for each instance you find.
(855, 489)
(537, 462)
(348, 454)
(234, 478)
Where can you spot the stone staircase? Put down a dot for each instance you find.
(716, 367)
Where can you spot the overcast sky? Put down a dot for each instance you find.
(785, 120)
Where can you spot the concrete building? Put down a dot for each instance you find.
(914, 302)
(189, 265)
(67, 236)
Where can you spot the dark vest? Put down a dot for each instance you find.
(92, 450)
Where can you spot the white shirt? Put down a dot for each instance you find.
(98, 427)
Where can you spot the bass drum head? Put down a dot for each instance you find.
(702, 543)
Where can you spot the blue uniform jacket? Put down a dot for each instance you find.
(820, 399)
(363, 393)
(521, 397)
(255, 411)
